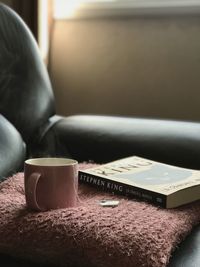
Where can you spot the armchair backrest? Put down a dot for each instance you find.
(26, 96)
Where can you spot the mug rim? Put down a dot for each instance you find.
(51, 162)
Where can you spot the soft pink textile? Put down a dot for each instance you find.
(132, 234)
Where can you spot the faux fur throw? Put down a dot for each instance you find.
(132, 234)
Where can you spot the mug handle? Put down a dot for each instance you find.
(32, 182)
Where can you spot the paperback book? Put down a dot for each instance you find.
(162, 184)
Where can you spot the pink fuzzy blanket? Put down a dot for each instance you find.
(132, 234)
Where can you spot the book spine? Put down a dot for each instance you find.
(115, 187)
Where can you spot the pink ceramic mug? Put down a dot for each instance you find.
(50, 183)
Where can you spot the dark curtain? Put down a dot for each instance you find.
(28, 11)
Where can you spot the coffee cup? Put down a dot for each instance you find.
(50, 183)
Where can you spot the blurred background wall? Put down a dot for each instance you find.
(123, 65)
(136, 66)
(28, 10)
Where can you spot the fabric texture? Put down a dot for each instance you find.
(132, 234)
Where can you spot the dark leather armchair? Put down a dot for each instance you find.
(29, 126)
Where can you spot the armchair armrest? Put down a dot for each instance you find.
(188, 253)
(105, 138)
(12, 149)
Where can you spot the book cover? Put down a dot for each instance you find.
(166, 185)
